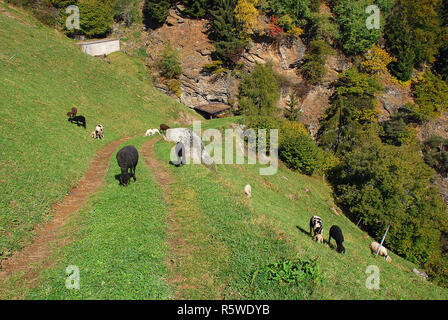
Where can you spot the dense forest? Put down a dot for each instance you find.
(380, 172)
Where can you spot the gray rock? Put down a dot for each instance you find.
(420, 274)
(194, 147)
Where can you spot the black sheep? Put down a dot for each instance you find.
(79, 120)
(336, 234)
(127, 158)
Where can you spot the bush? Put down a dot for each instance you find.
(298, 150)
(126, 11)
(170, 63)
(174, 86)
(376, 60)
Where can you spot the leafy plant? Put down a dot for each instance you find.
(169, 62)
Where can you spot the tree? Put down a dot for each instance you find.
(430, 94)
(376, 60)
(258, 92)
(353, 107)
(224, 30)
(197, 8)
(292, 111)
(385, 184)
(246, 14)
(395, 131)
(155, 12)
(298, 150)
(313, 68)
(354, 35)
(435, 151)
(170, 63)
(95, 17)
(399, 42)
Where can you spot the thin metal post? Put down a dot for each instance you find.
(382, 240)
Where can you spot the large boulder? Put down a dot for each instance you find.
(194, 147)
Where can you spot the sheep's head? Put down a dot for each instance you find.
(340, 249)
(125, 178)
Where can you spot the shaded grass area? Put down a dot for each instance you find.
(274, 224)
(43, 75)
(119, 246)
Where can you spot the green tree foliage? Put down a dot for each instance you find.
(395, 131)
(425, 22)
(259, 92)
(292, 110)
(441, 63)
(298, 150)
(170, 62)
(353, 106)
(385, 184)
(197, 8)
(224, 30)
(430, 94)
(298, 10)
(313, 68)
(435, 151)
(399, 42)
(351, 18)
(126, 11)
(155, 12)
(62, 4)
(95, 17)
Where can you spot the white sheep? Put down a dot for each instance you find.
(151, 132)
(99, 131)
(319, 238)
(383, 251)
(248, 190)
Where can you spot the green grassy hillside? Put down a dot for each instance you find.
(186, 232)
(43, 155)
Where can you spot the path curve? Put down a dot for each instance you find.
(39, 251)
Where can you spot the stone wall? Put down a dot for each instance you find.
(100, 47)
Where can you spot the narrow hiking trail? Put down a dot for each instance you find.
(188, 258)
(34, 257)
(176, 243)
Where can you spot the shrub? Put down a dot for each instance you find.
(169, 62)
(215, 67)
(298, 150)
(126, 11)
(174, 86)
(292, 111)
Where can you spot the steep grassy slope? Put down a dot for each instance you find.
(43, 75)
(273, 225)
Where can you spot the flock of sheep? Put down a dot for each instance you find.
(316, 232)
(127, 159)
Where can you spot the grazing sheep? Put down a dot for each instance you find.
(127, 158)
(248, 190)
(163, 127)
(99, 131)
(79, 120)
(180, 152)
(383, 251)
(316, 228)
(72, 113)
(151, 132)
(336, 234)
